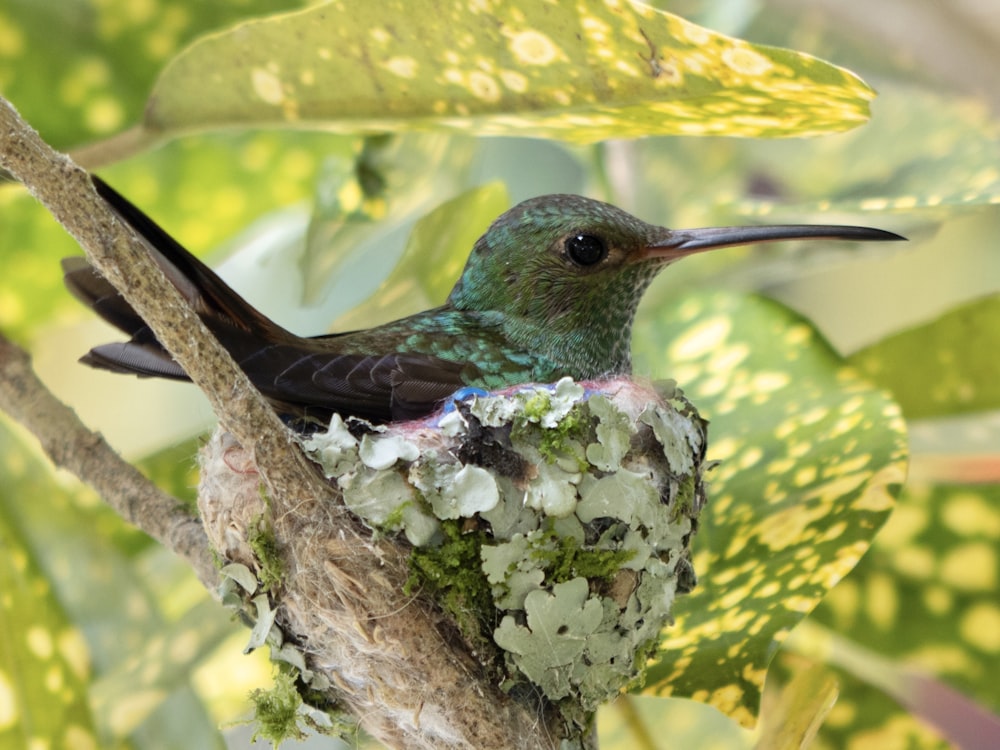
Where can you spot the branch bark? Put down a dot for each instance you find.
(393, 662)
(70, 445)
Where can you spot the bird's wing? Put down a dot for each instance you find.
(311, 377)
(222, 309)
(204, 290)
(379, 387)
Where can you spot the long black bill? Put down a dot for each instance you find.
(682, 242)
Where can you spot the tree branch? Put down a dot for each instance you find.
(114, 250)
(70, 445)
(395, 663)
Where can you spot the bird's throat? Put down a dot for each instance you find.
(581, 348)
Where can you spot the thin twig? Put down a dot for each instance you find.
(410, 683)
(114, 250)
(70, 445)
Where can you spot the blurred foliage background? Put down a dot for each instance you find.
(114, 640)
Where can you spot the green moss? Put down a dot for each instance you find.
(260, 537)
(277, 711)
(684, 501)
(326, 716)
(291, 706)
(554, 442)
(536, 407)
(564, 559)
(640, 660)
(452, 574)
(394, 520)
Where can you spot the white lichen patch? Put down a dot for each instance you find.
(553, 492)
(336, 449)
(579, 499)
(569, 618)
(384, 451)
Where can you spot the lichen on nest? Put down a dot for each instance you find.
(552, 522)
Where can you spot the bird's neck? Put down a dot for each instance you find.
(586, 335)
(582, 346)
(581, 325)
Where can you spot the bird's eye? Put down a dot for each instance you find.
(586, 249)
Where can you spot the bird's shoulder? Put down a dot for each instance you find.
(401, 369)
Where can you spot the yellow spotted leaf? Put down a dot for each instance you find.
(44, 663)
(83, 70)
(885, 167)
(72, 593)
(926, 599)
(581, 72)
(810, 456)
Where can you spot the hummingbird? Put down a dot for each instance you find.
(550, 290)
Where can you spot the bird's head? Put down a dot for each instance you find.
(568, 272)
(552, 254)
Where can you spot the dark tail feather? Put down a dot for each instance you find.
(143, 355)
(222, 309)
(93, 290)
(131, 358)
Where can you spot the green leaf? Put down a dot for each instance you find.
(109, 53)
(44, 663)
(138, 686)
(31, 244)
(886, 174)
(810, 456)
(862, 710)
(641, 722)
(576, 72)
(202, 190)
(948, 162)
(434, 257)
(946, 366)
(93, 577)
(180, 720)
(364, 204)
(957, 717)
(926, 597)
(794, 712)
(174, 470)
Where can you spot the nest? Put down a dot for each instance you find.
(523, 548)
